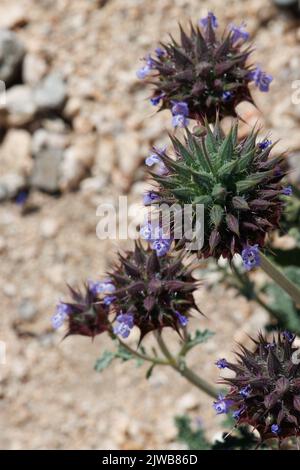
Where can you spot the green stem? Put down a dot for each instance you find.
(144, 357)
(185, 371)
(280, 278)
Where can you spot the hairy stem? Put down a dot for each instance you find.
(185, 371)
(280, 278)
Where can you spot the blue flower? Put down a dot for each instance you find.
(222, 405)
(261, 79)
(109, 299)
(179, 120)
(238, 32)
(227, 95)
(251, 257)
(288, 191)
(125, 323)
(21, 197)
(149, 197)
(62, 311)
(161, 246)
(275, 429)
(264, 144)
(237, 413)
(153, 159)
(147, 232)
(183, 320)
(245, 391)
(288, 336)
(150, 62)
(221, 363)
(212, 17)
(180, 107)
(101, 287)
(143, 72)
(156, 99)
(160, 52)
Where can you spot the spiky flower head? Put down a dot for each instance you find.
(236, 181)
(205, 70)
(265, 392)
(86, 314)
(152, 292)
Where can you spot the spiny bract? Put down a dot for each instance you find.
(155, 291)
(237, 182)
(265, 391)
(207, 72)
(87, 315)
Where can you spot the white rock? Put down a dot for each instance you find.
(15, 152)
(50, 93)
(19, 108)
(105, 158)
(72, 107)
(77, 162)
(128, 153)
(13, 15)
(49, 228)
(10, 184)
(43, 139)
(34, 69)
(46, 170)
(187, 402)
(93, 185)
(27, 310)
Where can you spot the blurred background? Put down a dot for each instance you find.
(75, 128)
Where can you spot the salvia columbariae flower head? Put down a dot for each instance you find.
(204, 72)
(265, 392)
(237, 182)
(152, 292)
(86, 314)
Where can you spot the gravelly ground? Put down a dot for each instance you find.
(50, 395)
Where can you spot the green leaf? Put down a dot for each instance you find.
(198, 338)
(123, 354)
(104, 361)
(216, 215)
(226, 149)
(211, 141)
(203, 178)
(245, 160)
(252, 180)
(182, 150)
(227, 169)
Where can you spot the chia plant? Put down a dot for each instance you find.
(238, 183)
(265, 391)
(245, 194)
(203, 73)
(154, 291)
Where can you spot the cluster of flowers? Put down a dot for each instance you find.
(203, 72)
(265, 391)
(151, 287)
(147, 290)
